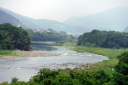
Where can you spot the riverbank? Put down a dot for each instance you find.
(8, 53)
(18, 53)
(106, 65)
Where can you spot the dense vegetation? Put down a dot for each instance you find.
(12, 37)
(50, 35)
(106, 39)
(80, 76)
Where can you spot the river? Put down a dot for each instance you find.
(25, 68)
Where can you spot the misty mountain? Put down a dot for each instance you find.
(114, 19)
(27, 22)
(5, 17)
(126, 29)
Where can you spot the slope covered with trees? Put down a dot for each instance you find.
(50, 35)
(12, 37)
(106, 39)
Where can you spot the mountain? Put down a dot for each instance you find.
(114, 19)
(5, 17)
(126, 29)
(27, 22)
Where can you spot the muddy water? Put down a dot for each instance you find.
(25, 68)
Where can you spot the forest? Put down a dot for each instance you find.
(105, 39)
(12, 37)
(50, 35)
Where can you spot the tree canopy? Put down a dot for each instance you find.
(106, 39)
(50, 35)
(12, 37)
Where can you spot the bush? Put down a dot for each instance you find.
(123, 58)
(120, 77)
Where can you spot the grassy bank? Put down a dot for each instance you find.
(107, 65)
(111, 53)
(8, 53)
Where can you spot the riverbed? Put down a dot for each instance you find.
(25, 67)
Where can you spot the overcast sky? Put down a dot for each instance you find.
(60, 9)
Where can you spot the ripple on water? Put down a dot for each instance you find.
(24, 68)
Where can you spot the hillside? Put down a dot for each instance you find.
(126, 29)
(115, 19)
(27, 22)
(5, 17)
(105, 39)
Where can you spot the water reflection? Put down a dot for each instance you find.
(24, 68)
(42, 47)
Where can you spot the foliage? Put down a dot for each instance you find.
(123, 58)
(106, 39)
(12, 37)
(65, 77)
(50, 35)
(14, 80)
(120, 77)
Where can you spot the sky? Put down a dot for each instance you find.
(60, 10)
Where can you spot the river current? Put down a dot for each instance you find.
(25, 68)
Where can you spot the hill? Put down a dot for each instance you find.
(126, 29)
(27, 22)
(115, 19)
(5, 17)
(106, 39)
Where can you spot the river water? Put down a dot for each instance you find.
(25, 68)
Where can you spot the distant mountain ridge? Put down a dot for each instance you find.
(126, 29)
(5, 17)
(114, 19)
(27, 22)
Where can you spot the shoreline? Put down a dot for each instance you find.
(29, 54)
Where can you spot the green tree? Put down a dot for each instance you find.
(120, 77)
(12, 37)
(106, 39)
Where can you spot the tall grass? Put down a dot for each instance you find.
(8, 53)
(110, 53)
(107, 65)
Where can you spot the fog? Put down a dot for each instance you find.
(60, 9)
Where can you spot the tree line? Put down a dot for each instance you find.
(106, 39)
(12, 37)
(50, 35)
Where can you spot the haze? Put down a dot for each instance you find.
(60, 9)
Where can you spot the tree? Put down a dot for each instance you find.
(12, 37)
(120, 77)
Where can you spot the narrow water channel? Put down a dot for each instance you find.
(25, 68)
